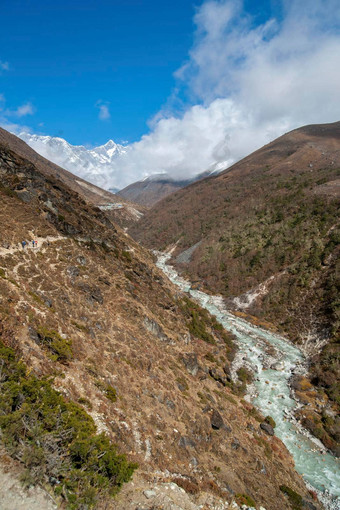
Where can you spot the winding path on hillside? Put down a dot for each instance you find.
(41, 243)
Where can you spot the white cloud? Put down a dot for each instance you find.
(251, 84)
(23, 110)
(7, 114)
(4, 66)
(104, 112)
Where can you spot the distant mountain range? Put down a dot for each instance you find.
(92, 165)
(152, 189)
(101, 166)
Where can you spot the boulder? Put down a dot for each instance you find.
(218, 376)
(267, 428)
(216, 420)
(149, 494)
(34, 335)
(191, 363)
(226, 370)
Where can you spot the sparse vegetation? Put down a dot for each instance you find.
(270, 421)
(182, 384)
(127, 255)
(60, 347)
(8, 191)
(36, 298)
(210, 357)
(244, 499)
(294, 498)
(191, 487)
(111, 393)
(56, 439)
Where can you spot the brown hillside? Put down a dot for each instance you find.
(257, 218)
(88, 308)
(149, 191)
(265, 234)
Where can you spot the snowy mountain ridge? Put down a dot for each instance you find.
(93, 165)
(110, 166)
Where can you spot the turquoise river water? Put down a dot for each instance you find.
(273, 360)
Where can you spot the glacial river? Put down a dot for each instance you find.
(272, 360)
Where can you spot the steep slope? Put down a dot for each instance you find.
(265, 234)
(149, 191)
(86, 308)
(121, 211)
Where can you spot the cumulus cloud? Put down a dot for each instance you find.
(104, 112)
(251, 83)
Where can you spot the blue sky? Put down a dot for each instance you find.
(94, 70)
(66, 57)
(189, 85)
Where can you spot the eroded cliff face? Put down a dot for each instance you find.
(86, 306)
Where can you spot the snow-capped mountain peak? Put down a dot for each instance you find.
(93, 165)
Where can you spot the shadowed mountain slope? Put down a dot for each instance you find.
(90, 315)
(265, 234)
(151, 190)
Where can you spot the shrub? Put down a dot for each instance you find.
(270, 421)
(127, 255)
(85, 402)
(294, 498)
(111, 393)
(198, 320)
(244, 499)
(60, 347)
(189, 486)
(244, 375)
(210, 357)
(56, 439)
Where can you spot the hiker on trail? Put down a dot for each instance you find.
(36, 244)
(23, 243)
(33, 243)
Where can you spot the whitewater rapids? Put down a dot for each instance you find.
(271, 392)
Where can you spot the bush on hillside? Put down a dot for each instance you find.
(55, 439)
